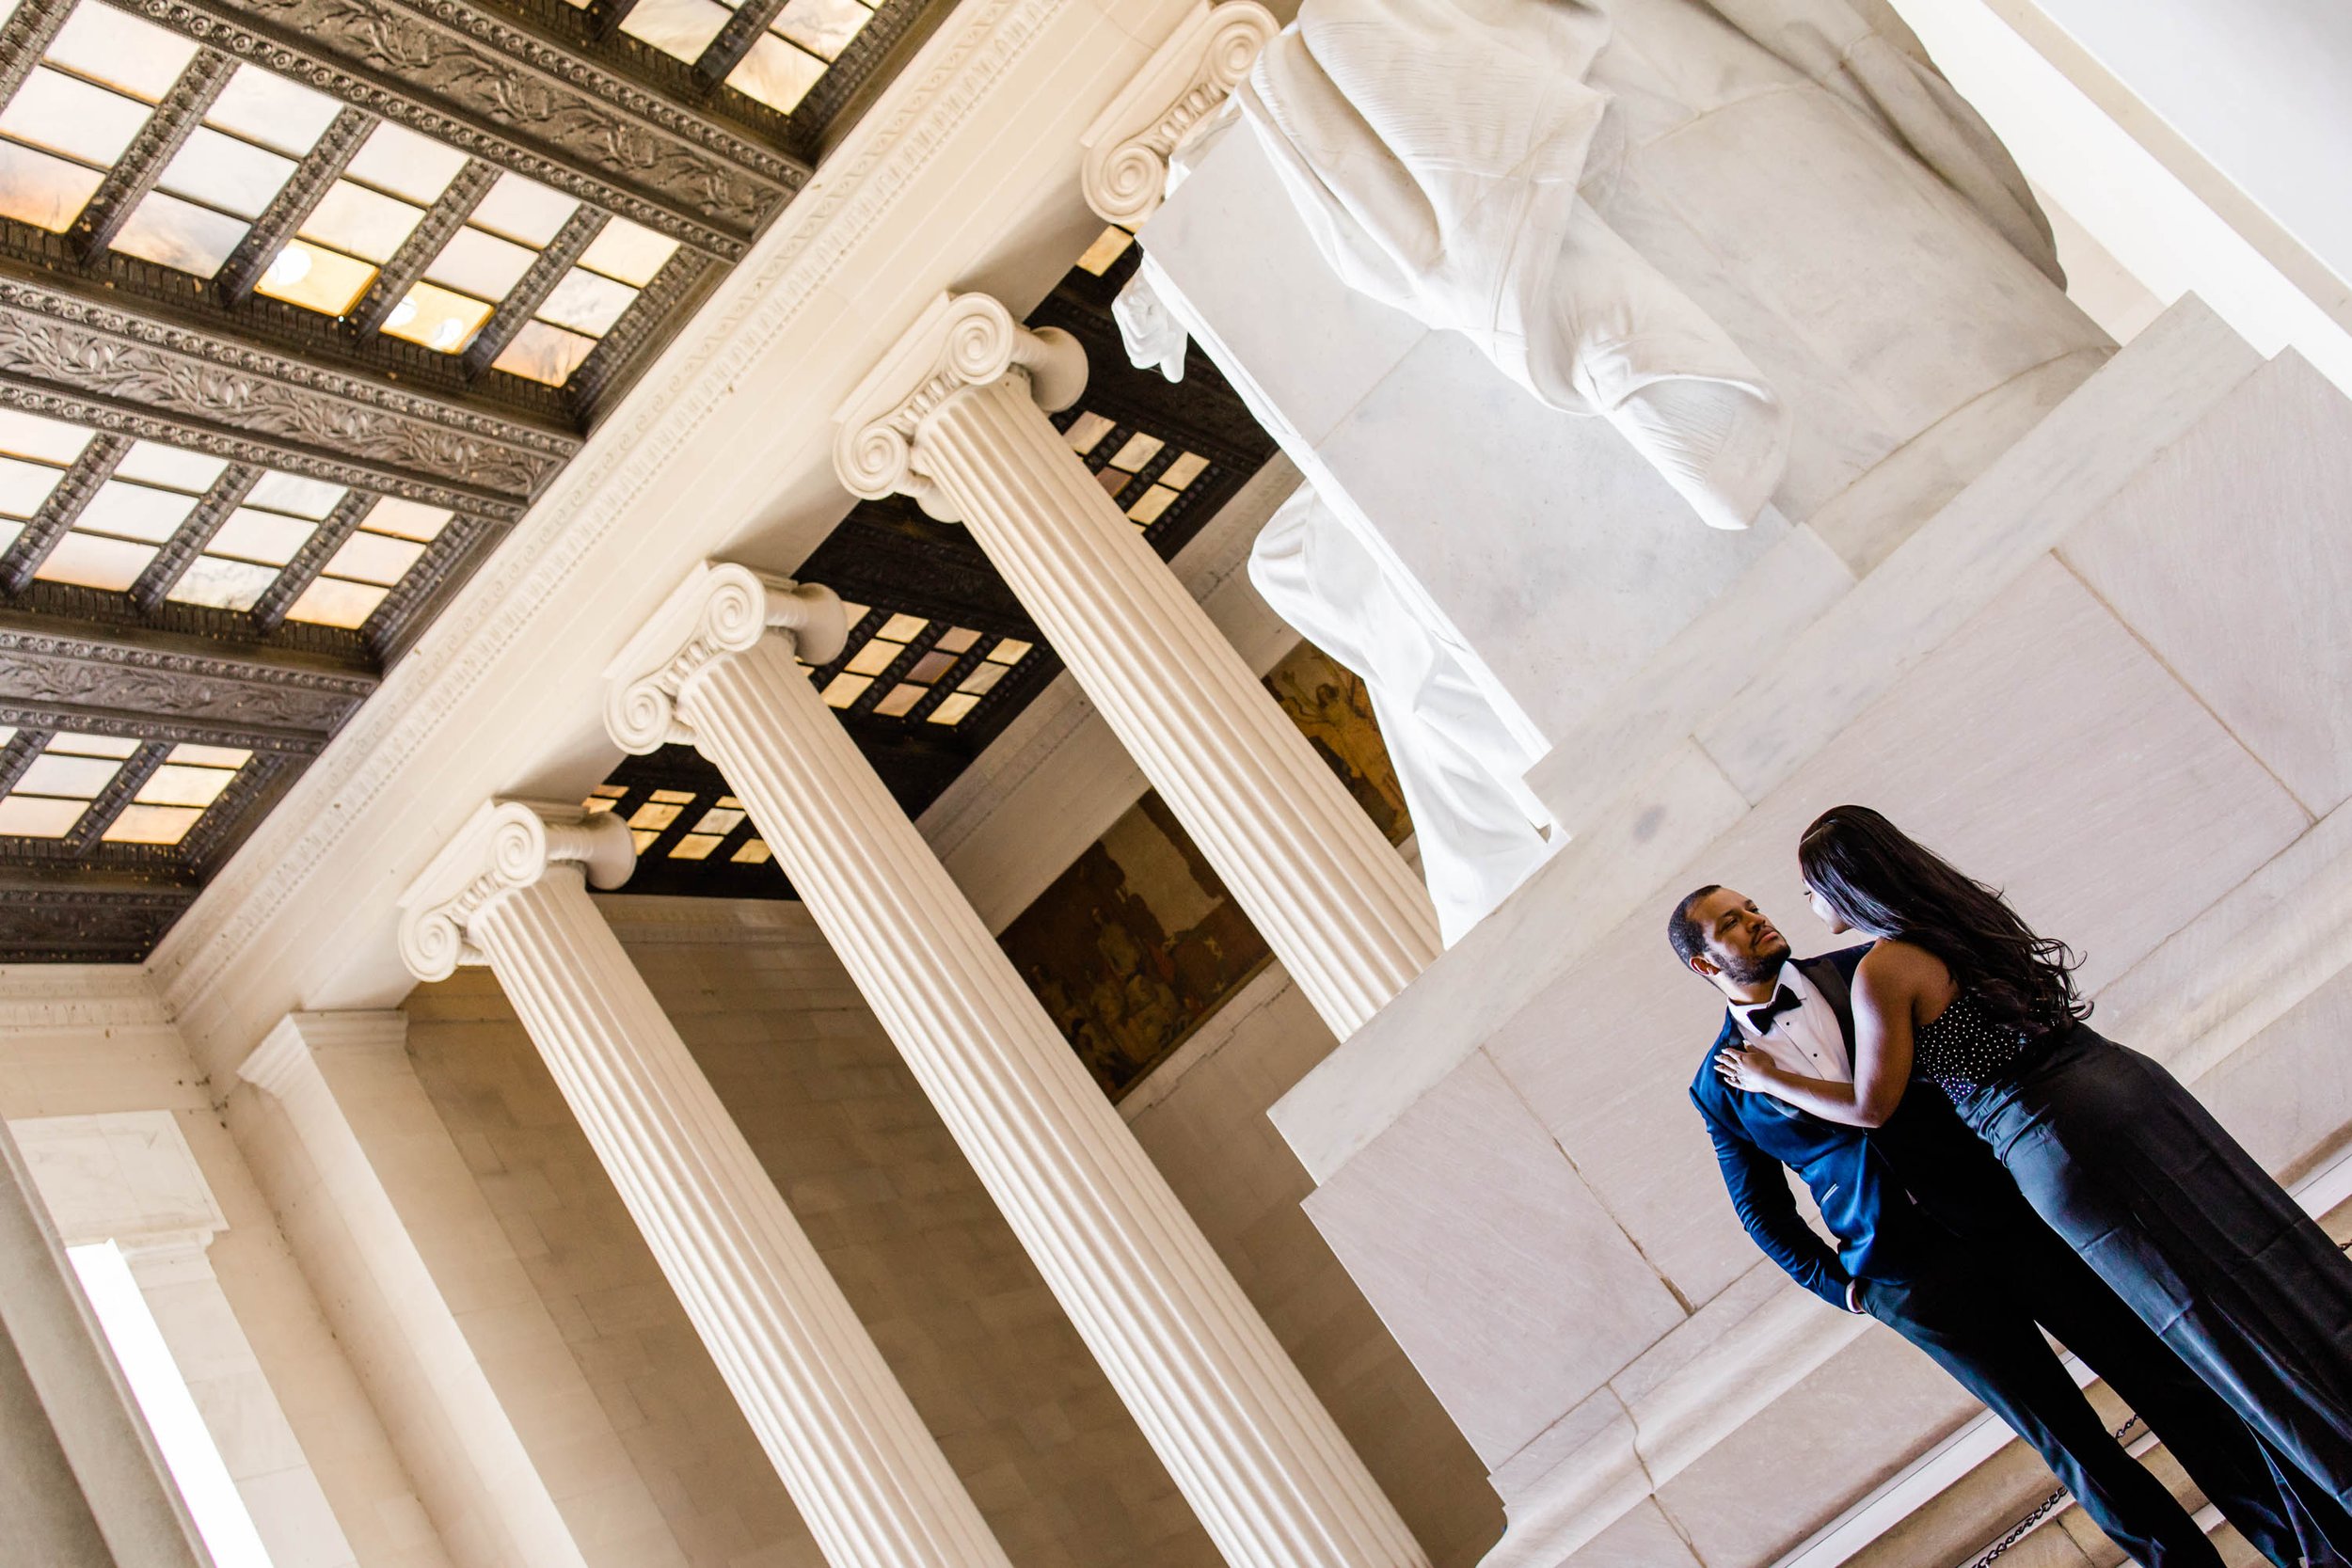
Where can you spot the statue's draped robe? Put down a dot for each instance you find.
(1502, 168)
(1458, 761)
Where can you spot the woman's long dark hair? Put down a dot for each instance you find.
(1883, 882)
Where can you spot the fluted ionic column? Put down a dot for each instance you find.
(870, 1480)
(1253, 1450)
(956, 416)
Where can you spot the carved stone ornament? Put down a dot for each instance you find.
(720, 609)
(960, 340)
(504, 847)
(82, 350)
(39, 673)
(493, 89)
(1125, 172)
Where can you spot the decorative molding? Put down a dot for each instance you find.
(500, 93)
(604, 374)
(84, 923)
(962, 340)
(720, 609)
(530, 291)
(269, 610)
(1124, 173)
(63, 355)
(26, 37)
(318, 171)
(171, 563)
(93, 469)
(727, 49)
(175, 119)
(407, 265)
(787, 276)
(504, 847)
(54, 680)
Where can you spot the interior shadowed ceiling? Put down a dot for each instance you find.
(302, 303)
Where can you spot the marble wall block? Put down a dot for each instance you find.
(2228, 554)
(2042, 748)
(2287, 1094)
(1851, 1426)
(1508, 1282)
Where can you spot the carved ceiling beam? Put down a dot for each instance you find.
(157, 687)
(425, 241)
(269, 610)
(606, 16)
(530, 291)
(664, 306)
(204, 520)
(46, 920)
(134, 374)
(18, 754)
(595, 35)
(725, 51)
(242, 272)
(501, 93)
(158, 142)
(26, 38)
(48, 524)
(427, 590)
(128, 781)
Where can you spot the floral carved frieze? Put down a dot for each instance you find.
(44, 678)
(87, 352)
(505, 95)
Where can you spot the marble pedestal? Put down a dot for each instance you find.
(2106, 674)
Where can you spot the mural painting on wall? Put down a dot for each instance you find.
(1135, 945)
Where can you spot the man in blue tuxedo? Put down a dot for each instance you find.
(1935, 1242)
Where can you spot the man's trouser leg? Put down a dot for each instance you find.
(1979, 1333)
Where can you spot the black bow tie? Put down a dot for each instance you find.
(1784, 1001)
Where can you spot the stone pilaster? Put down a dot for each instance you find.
(867, 1477)
(1262, 1462)
(955, 415)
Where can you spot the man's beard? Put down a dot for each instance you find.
(1751, 969)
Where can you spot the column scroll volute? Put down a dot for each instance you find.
(504, 846)
(1124, 173)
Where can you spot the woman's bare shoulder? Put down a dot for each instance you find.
(1895, 967)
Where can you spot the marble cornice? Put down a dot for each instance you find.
(787, 275)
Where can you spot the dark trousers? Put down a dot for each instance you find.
(1972, 1312)
(1956, 1312)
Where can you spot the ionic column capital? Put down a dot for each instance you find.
(720, 608)
(1128, 148)
(504, 847)
(960, 342)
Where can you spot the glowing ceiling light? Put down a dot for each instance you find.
(446, 335)
(291, 266)
(402, 313)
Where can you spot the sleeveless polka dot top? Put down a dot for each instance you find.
(1963, 1050)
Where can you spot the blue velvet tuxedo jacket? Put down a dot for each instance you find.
(1891, 1195)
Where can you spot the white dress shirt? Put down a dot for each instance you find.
(1804, 1039)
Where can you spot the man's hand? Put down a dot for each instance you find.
(1743, 1069)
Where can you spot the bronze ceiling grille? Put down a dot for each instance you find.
(302, 303)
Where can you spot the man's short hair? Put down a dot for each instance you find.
(1685, 933)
